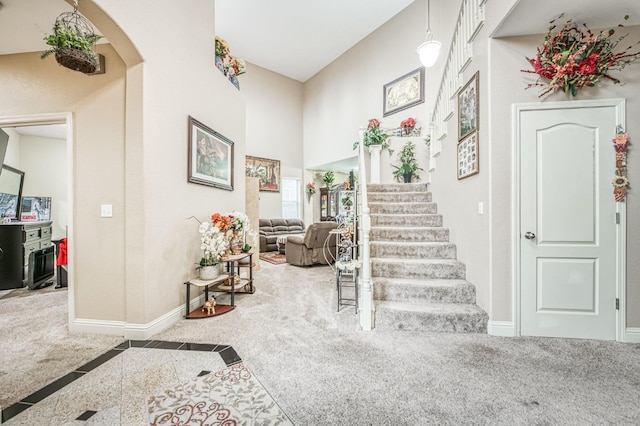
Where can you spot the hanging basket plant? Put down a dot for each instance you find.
(73, 42)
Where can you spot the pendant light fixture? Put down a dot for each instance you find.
(430, 49)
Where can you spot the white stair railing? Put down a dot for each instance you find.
(364, 278)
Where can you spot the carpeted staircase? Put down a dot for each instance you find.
(418, 283)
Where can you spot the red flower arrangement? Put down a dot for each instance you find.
(409, 122)
(575, 58)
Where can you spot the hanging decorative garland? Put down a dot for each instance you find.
(620, 182)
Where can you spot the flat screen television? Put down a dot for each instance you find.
(11, 182)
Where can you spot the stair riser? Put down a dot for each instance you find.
(403, 208)
(431, 220)
(399, 197)
(429, 294)
(439, 251)
(397, 187)
(410, 235)
(380, 268)
(446, 323)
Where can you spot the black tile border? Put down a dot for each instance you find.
(86, 415)
(227, 353)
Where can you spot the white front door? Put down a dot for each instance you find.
(568, 258)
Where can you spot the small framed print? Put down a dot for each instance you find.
(468, 108)
(468, 159)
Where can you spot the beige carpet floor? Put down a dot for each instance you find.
(322, 370)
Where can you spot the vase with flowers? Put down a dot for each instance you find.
(214, 245)
(229, 65)
(310, 189)
(575, 57)
(408, 125)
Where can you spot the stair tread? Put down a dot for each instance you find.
(404, 228)
(414, 243)
(404, 202)
(417, 282)
(406, 214)
(415, 261)
(432, 308)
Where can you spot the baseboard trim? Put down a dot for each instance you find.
(501, 328)
(133, 331)
(112, 328)
(632, 335)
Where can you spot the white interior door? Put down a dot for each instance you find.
(568, 259)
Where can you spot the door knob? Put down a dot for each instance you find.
(529, 235)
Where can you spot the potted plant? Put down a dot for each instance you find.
(72, 45)
(409, 165)
(374, 135)
(328, 178)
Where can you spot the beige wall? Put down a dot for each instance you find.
(35, 86)
(507, 87)
(130, 150)
(177, 79)
(274, 126)
(344, 95)
(44, 161)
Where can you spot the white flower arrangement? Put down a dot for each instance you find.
(213, 242)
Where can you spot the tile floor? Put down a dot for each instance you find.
(112, 389)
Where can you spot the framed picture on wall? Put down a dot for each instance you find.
(267, 170)
(404, 92)
(468, 160)
(468, 108)
(210, 157)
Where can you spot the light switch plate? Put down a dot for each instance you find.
(480, 207)
(106, 210)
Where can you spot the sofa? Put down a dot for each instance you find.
(270, 229)
(316, 246)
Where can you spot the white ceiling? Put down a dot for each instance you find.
(298, 38)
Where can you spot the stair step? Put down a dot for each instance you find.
(417, 268)
(431, 220)
(403, 208)
(427, 291)
(405, 233)
(399, 197)
(397, 187)
(437, 317)
(413, 250)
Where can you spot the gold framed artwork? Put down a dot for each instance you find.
(468, 108)
(404, 92)
(468, 159)
(210, 160)
(267, 170)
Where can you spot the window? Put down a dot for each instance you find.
(290, 198)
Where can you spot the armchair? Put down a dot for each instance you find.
(311, 248)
